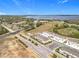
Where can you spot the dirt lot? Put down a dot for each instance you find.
(42, 28)
(12, 48)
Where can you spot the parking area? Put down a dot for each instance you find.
(53, 45)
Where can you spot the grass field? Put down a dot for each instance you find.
(71, 32)
(68, 30)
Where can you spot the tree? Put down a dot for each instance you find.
(54, 56)
(65, 25)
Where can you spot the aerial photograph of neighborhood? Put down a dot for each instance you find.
(39, 28)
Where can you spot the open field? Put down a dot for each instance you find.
(69, 32)
(42, 28)
(59, 27)
(65, 29)
(11, 47)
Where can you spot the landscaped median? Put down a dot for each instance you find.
(56, 55)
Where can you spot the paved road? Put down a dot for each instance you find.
(42, 50)
(56, 44)
(11, 32)
(8, 34)
(53, 45)
(7, 28)
(72, 51)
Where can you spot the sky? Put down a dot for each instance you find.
(39, 7)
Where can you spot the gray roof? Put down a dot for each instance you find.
(41, 37)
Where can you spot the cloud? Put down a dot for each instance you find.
(62, 1)
(2, 13)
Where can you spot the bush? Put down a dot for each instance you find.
(32, 41)
(36, 44)
(54, 56)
